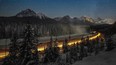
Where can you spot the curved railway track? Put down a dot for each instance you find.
(42, 46)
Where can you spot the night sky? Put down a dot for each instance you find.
(54, 8)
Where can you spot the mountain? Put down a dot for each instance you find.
(41, 15)
(43, 25)
(57, 18)
(87, 19)
(104, 21)
(75, 20)
(16, 24)
(26, 13)
(84, 20)
(63, 19)
(30, 13)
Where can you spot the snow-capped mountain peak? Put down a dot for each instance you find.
(87, 19)
(105, 21)
(41, 15)
(26, 13)
(30, 13)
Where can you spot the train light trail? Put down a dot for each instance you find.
(3, 54)
(60, 45)
(41, 49)
(94, 37)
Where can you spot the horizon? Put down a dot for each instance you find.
(60, 8)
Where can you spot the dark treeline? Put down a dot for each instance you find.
(45, 26)
(106, 29)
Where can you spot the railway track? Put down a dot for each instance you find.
(43, 45)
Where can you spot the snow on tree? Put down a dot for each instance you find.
(51, 53)
(13, 47)
(28, 50)
(65, 45)
(12, 58)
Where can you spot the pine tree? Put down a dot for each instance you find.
(65, 48)
(51, 53)
(12, 58)
(28, 49)
(13, 47)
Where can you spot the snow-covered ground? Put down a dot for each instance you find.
(103, 58)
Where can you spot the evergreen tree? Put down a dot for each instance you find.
(12, 58)
(14, 47)
(51, 53)
(28, 49)
(65, 48)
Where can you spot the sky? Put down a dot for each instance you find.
(59, 8)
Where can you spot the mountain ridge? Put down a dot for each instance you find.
(30, 13)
